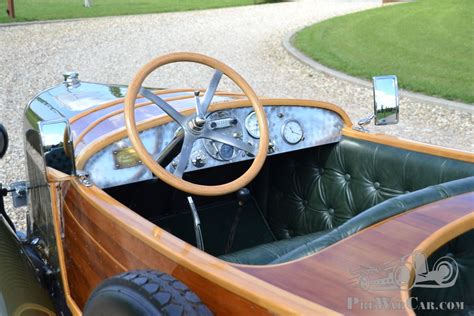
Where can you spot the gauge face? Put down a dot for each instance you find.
(226, 152)
(251, 124)
(292, 132)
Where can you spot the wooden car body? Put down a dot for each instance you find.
(87, 234)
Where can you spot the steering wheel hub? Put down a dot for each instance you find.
(196, 124)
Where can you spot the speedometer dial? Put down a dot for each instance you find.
(251, 125)
(292, 132)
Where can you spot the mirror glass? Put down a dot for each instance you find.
(385, 100)
(56, 145)
(3, 141)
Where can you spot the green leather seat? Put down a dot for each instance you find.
(266, 253)
(311, 192)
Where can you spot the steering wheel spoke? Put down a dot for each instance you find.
(229, 141)
(185, 154)
(165, 106)
(202, 106)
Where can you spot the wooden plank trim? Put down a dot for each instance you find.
(410, 145)
(53, 187)
(156, 92)
(120, 111)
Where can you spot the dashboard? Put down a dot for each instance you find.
(290, 128)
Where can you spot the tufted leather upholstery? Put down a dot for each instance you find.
(322, 188)
(319, 189)
(378, 213)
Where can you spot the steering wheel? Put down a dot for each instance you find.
(195, 126)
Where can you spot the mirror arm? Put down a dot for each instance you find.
(362, 123)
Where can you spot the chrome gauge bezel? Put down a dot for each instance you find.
(250, 116)
(283, 129)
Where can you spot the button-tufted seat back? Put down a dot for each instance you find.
(321, 188)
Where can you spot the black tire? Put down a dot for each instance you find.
(144, 293)
(3, 141)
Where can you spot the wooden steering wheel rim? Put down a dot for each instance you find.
(159, 171)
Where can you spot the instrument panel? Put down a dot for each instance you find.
(290, 128)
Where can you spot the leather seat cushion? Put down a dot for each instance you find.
(323, 187)
(266, 253)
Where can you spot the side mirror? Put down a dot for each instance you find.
(386, 103)
(3, 141)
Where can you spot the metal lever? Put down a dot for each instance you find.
(243, 196)
(197, 224)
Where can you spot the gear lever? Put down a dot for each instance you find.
(243, 196)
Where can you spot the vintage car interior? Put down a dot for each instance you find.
(249, 180)
(316, 186)
(301, 201)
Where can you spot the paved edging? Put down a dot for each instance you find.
(319, 67)
(27, 23)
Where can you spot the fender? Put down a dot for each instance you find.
(20, 289)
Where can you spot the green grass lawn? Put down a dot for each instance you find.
(428, 44)
(31, 10)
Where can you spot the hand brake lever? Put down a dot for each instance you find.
(197, 224)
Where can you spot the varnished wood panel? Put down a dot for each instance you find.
(99, 244)
(410, 145)
(88, 263)
(80, 248)
(326, 278)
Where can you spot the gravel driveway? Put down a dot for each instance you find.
(111, 49)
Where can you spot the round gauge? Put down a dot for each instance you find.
(226, 152)
(251, 124)
(292, 132)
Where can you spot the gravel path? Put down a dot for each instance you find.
(247, 38)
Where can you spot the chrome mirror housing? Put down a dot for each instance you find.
(3, 141)
(386, 102)
(57, 146)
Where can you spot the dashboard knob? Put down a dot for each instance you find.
(199, 159)
(271, 147)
